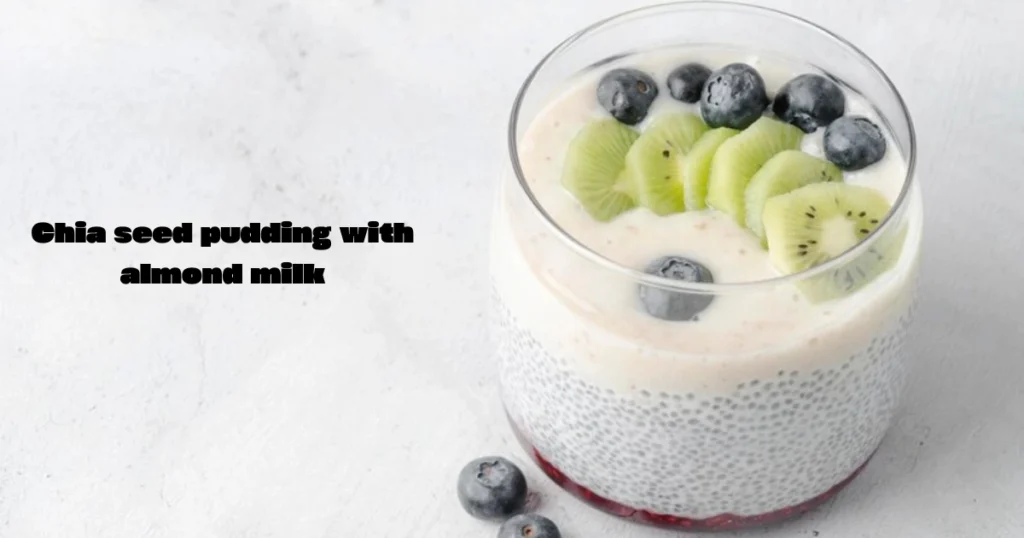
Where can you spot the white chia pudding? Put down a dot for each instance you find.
(763, 401)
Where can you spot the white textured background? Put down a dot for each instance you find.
(347, 409)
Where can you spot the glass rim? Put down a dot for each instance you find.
(663, 282)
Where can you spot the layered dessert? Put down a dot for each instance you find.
(704, 269)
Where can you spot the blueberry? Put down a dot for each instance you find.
(809, 102)
(853, 142)
(734, 96)
(492, 488)
(627, 94)
(529, 526)
(687, 81)
(672, 305)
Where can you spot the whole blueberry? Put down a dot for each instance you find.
(854, 142)
(529, 526)
(492, 488)
(673, 305)
(809, 101)
(686, 82)
(627, 94)
(733, 96)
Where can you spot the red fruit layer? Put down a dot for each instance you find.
(721, 522)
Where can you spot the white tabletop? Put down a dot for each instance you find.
(346, 409)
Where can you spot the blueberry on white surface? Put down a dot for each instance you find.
(529, 526)
(492, 488)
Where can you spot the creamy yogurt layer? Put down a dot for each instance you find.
(569, 300)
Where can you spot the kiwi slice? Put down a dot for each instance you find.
(859, 271)
(595, 169)
(697, 166)
(818, 222)
(786, 171)
(656, 160)
(740, 157)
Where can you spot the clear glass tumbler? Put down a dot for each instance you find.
(619, 411)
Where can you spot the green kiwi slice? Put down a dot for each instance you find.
(786, 171)
(595, 169)
(818, 222)
(656, 161)
(697, 166)
(740, 157)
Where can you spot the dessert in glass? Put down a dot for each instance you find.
(704, 262)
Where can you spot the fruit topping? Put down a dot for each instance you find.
(786, 171)
(854, 142)
(627, 94)
(674, 305)
(529, 526)
(492, 488)
(733, 96)
(697, 166)
(686, 82)
(818, 222)
(595, 169)
(740, 157)
(655, 162)
(809, 101)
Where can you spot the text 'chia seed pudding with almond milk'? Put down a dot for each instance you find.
(704, 260)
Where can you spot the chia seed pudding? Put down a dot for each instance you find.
(767, 397)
